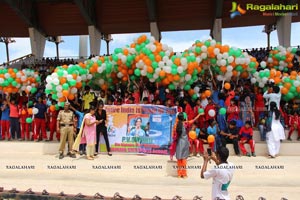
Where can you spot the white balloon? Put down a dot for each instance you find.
(253, 80)
(78, 79)
(155, 76)
(296, 83)
(180, 69)
(270, 60)
(211, 113)
(188, 77)
(168, 69)
(119, 75)
(1, 80)
(89, 76)
(230, 59)
(203, 55)
(48, 86)
(7, 75)
(157, 70)
(263, 64)
(223, 62)
(229, 68)
(213, 43)
(216, 51)
(59, 88)
(123, 58)
(59, 95)
(49, 79)
(55, 81)
(164, 47)
(225, 55)
(144, 72)
(165, 58)
(219, 56)
(74, 90)
(35, 111)
(261, 84)
(183, 61)
(204, 48)
(169, 62)
(196, 89)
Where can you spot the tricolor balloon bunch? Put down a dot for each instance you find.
(280, 58)
(13, 80)
(65, 81)
(224, 61)
(290, 86)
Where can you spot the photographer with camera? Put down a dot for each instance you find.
(272, 94)
(222, 172)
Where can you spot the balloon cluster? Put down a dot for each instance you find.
(14, 80)
(149, 59)
(65, 81)
(280, 58)
(290, 86)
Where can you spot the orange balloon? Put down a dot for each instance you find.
(227, 86)
(23, 112)
(162, 74)
(192, 135)
(52, 108)
(71, 96)
(287, 85)
(284, 90)
(207, 93)
(210, 139)
(30, 111)
(65, 93)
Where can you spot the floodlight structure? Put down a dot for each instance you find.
(107, 38)
(57, 40)
(6, 41)
(268, 29)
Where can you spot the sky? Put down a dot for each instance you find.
(243, 37)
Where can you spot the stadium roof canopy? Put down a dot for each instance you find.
(72, 17)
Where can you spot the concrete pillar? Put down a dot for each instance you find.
(284, 26)
(95, 40)
(217, 30)
(37, 42)
(83, 39)
(155, 31)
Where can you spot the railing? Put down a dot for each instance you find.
(21, 59)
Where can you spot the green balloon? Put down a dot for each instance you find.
(152, 57)
(33, 90)
(185, 116)
(222, 111)
(56, 107)
(10, 79)
(213, 61)
(290, 95)
(118, 50)
(200, 110)
(30, 103)
(72, 82)
(171, 86)
(115, 57)
(154, 64)
(252, 64)
(137, 72)
(238, 53)
(174, 71)
(239, 68)
(293, 90)
(198, 50)
(28, 120)
(108, 68)
(194, 97)
(54, 96)
(14, 83)
(207, 43)
(294, 50)
(187, 87)
(162, 54)
(60, 72)
(65, 86)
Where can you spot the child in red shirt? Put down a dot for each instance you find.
(294, 125)
(24, 126)
(52, 114)
(246, 134)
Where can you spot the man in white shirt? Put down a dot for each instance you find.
(222, 173)
(273, 94)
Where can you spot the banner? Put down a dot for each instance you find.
(139, 128)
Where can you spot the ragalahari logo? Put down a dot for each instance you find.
(236, 10)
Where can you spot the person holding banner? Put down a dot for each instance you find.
(101, 127)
